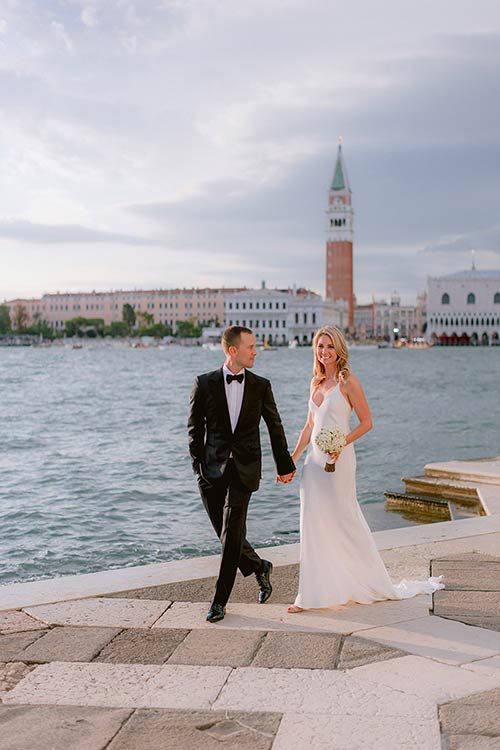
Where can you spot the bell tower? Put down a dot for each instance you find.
(339, 236)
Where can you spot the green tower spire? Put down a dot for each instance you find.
(340, 181)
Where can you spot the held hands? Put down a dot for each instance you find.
(333, 456)
(285, 478)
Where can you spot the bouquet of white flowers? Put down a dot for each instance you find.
(330, 440)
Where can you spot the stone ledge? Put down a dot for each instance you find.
(20, 595)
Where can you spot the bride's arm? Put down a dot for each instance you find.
(351, 388)
(304, 438)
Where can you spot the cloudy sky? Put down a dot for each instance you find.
(162, 143)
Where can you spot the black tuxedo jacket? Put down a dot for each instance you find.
(211, 440)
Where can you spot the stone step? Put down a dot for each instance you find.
(480, 471)
(458, 510)
(474, 573)
(441, 487)
(466, 603)
(433, 507)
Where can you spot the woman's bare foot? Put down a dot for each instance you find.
(294, 609)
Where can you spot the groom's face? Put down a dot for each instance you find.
(244, 354)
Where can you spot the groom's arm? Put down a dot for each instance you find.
(196, 425)
(282, 458)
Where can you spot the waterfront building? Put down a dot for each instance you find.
(339, 239)
(280, 316)
(464, 308)
(390, 320)
(169, 306)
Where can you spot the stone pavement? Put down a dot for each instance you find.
(142, 669)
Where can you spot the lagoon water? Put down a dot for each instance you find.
(94, 469)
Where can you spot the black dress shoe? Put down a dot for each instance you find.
(216, 612)
(264, 581)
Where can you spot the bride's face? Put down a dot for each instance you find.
(325, 351)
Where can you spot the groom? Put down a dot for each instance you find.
(226, 407)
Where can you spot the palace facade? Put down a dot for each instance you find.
(280, 316)
(169, 306)
(464, 308)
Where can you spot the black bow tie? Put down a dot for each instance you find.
(230, 378)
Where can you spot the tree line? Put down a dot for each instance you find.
(132, 324)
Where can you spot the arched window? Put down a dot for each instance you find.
(496, 298)
(471, 298)
(445, 299)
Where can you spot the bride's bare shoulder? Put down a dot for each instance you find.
(351, 383)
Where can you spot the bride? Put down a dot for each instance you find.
(339, 561)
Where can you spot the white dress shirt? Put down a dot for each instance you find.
(234, 395)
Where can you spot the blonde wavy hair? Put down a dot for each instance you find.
(339, 343)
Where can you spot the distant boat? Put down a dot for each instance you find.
(293, 344)
(266, 347)
(212, 346)
(418, 343)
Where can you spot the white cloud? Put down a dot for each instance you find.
(61, 33)
(217, 121)
(3, 26)
(89, 16)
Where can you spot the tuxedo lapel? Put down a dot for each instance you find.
(219, 392)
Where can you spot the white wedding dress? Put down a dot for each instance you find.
(339, 561)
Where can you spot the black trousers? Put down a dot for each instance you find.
(226, 502)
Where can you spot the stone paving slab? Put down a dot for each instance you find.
(467, 603)
(12, 646)
(485, 666)
(73, 684)
(232, 648)
(15, 622)
(285, 580)
(141, 646)
(299, 650)
(151, 729)
(469, 572)
(355, 732)
(120, 685)
(69, 644)
(489, 623)
(11, 674)
(426, 678)
(346, 619)
(475, 714)
(358, 651)
(121, 613)
(58, 727)
(437, 638)
(472, 742)
(185, 686)
(413, 561)
(458, 559)
(317, 691)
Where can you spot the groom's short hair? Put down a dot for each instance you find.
(232, 336)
